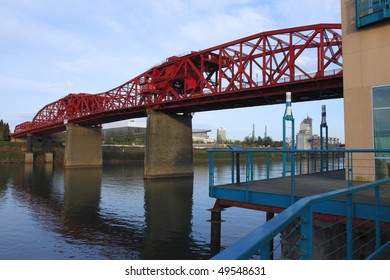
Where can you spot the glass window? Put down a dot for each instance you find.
(381, 115)
(381, 97)
(382, 129)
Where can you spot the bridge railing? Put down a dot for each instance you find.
(301, 216)
(250, 165)
(308, 229)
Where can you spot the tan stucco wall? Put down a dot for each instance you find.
(366, 64)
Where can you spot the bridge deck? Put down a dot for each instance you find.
(276, 192)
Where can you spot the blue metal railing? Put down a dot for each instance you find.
(304, 162)
(300, 162)
(368, 164)
(259, 238)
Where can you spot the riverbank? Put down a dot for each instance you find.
(11, 152)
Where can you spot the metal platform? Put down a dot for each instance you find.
(276, 194)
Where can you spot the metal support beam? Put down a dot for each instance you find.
(269, 216)
(215, 246)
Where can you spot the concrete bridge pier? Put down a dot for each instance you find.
(29, 156)
(49, 157)
(168, 150)
(83, 146)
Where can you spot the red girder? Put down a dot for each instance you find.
(255, 70)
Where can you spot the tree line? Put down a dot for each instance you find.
(4, 131)
(262, 142)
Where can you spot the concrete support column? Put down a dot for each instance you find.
(83, 147)
(48, 147)
(29, 143)
(168, 150)
(29, 156)
(49, 157)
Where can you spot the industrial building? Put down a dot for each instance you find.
(138, 131)
(305, 140)
(201, 136)
(221, 135)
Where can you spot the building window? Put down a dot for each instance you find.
(381, 117)
(370, 11)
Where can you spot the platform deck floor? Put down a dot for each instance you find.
(312, 184)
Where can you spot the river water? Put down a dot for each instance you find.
(47, 212)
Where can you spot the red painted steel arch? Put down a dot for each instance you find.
(252, 71)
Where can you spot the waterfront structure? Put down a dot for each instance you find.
(366, 53)
(201, 136)
(137, 129)
(221, 135)
(201, 81)
(306, 140)
(366, 56)
(305, 134)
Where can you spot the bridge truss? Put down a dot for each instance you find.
(252, 71)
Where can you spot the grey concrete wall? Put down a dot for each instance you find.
(49, 158)
(83, 147)
(29, 157)
(168, 150)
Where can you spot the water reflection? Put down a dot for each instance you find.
(106, 234)
(110, 213)
(168, 214)
(81, 200)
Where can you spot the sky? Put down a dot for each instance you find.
(49, 49)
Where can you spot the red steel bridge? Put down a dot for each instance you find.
(252, 71)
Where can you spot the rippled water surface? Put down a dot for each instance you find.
(47, 212)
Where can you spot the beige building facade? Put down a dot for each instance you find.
(366, 72)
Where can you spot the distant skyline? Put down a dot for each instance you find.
(49, 49)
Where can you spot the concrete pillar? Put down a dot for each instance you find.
(29, 156)
(83, 147)
(49, 157)
(168, 151)
(29, 143)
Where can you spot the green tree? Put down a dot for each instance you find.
(260, 141)
(277, 144)
(4, 131)
(267, 141)
(120, 137)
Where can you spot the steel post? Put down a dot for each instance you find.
(215, 222)
(269, 216)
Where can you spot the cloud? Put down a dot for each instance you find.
(305, 12)
(222, 27)
(51, 48)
